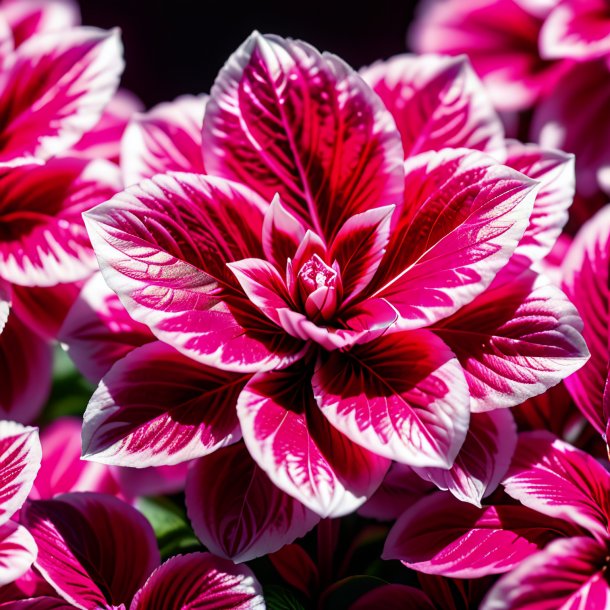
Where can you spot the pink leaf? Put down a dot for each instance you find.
(38, 603)
(463, 217)
(17, 552)
(576, 30)
(300, 451)
(519, 338)
(284, 118)
(6, 294)
(500, 38)
(559, 123)
(282, 234)
(202, 581)
(402, 396)
(62, 470)
(237, 512)
(555, 171)
(163, 246)
(558, 480)
(437, 102)
(103, 141)
(155, 407)
(43, 310)
(166, 138)
(34, 17)
(567, 574)
(263, 285)
(586, 282)
(21, 455)
(44, 241)
(442, 535)
(359, 247)
(26, 364)
(55, 90)
(93, 549)
(98, 331)
(483, 459)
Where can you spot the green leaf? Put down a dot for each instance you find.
(70, 392)
(170, 524)
(278, 598)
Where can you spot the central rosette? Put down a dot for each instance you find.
(319, 289)
(314, 290)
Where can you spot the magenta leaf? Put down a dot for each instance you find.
(576, 31)
(94, 549)
(285, 119)
(98, 331)
(26, 364)
(585, 280)
(202, 581)
(44, 241)
(166, 138)
(555, 172)
(359, 247)
(38, 603)
(559, 123)
(516, 340)
(567, 574)
(237, 512)
(6, 294)
(483, 459)
(558, 480)
(401, 488)
(297, 568)
(402, 396)
(27, 19)
(156, 407)
(300, 451)
(462, 218)
(43, 309)
(263, 285)
(55, 90)
(62, 470)
(21, 455)
(282, 234)
(103, 141)
(163, 246)
(17, 552)
(442, 535)
(437, 102)
(500, 38)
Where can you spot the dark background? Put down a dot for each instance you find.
(178, 46)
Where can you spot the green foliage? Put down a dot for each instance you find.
(70, 392)
(279, 598)
(170, 524)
